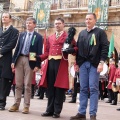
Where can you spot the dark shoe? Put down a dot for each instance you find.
(118, 109)
(102, 98)
(32, 97)
(72, 101)
(109, 101)
(78, 117)
(55, 115)
(93, 117)
(2, 108)
(40, 98)
(45, 114)
(113, 103)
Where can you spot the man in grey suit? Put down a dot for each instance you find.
(29, 45)
(8, 40)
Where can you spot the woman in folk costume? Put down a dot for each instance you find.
(111, 74)
(116, 83)
(103, 81)
(76, 84)
(42, 89)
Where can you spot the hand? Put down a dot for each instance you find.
(76, 68)
(38, 58)
(100, 68)
(35, 69)
(70, 50)
(12, 65)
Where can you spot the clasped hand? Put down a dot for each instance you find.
(38, 58)
(69, 50)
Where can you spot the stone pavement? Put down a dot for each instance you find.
(105, 111)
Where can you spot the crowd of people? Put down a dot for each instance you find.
(112, 83)
(91, 51)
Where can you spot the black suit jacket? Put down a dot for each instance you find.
(8, 40)
(92, 53)
(36, 47)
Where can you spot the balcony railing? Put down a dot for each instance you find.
(65, 4)
(69, 4)
(114, 2)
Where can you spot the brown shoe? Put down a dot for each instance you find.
(93, 117)
(78, 117)
(13, 108)
(25, 110)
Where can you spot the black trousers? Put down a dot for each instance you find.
(75, 91)
(110, 95)
(42, 90)
(101, 90)
(32, 90)
(4, 89)
(115, 97)
(13, 88)
(55, 95)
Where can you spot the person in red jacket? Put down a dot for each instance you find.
(116, 82)
(112, 69)
(56, 69)
(76, 84)
(42, 89)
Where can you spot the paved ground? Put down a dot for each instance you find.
(105, 111)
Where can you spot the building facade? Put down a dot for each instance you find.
(73, 12)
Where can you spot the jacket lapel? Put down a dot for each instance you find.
(33, 38)
(8, 30)
(62, 38)
(23, 39)
(0, 31)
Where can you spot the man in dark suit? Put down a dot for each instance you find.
(29, 45)
(8, 40)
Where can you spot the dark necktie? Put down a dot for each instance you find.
(4, 29)
(26, 50)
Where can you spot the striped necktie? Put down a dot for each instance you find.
(26, 50)
(57, 35)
